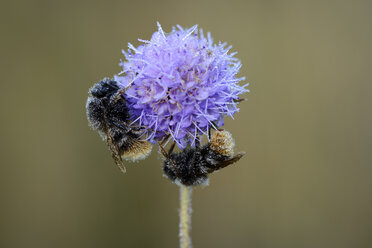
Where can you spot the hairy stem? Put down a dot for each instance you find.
(185, 216)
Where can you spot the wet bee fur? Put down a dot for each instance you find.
(107, 113)
(192, 165)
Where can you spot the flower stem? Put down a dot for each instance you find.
(185, 216)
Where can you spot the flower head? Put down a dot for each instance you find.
(180, 84)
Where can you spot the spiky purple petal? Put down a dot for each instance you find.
(180, 84)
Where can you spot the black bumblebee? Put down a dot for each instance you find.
(107, 113)
(192, 165)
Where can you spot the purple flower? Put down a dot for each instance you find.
(180, 84)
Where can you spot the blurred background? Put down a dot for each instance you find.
(306, 127)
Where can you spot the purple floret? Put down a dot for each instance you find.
(180, 84)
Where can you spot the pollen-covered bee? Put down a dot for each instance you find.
(192, 165)
(107, 113)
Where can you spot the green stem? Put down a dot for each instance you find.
(185, 216)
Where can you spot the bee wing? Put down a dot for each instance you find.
(115, 153)
(223, 164)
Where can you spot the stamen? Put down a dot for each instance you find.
(136, 119)
(191, 30)
(161, 30)
(199, 128)
(133, 48)
(145, 41)
(176, 140)
(179, 27)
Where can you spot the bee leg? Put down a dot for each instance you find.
(137, 130)
(171, 149)
(140, 130)
(163, 151)
(115, 153)
(165, 139)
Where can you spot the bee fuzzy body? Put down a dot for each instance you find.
(107, 113)
(192, 165)
(187, 167)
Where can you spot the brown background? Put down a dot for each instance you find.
(306, 128)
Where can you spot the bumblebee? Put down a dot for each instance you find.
(192, 165)
(108, 113)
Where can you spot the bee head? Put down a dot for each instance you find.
(104, 88)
